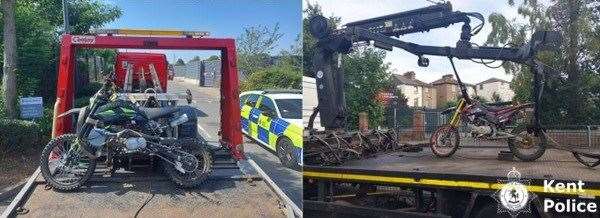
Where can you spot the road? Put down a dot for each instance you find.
(206, 99)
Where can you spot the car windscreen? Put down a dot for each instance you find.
(290, 108)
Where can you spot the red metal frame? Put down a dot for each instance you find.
(230, 132)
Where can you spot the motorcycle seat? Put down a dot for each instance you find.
(153, 113)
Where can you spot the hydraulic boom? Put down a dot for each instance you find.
(382, 32)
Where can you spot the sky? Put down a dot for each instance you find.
(222, 18)
(402, 61)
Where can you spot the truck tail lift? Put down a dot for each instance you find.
(334, 145)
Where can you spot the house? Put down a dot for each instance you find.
(447, 89)
(437, 93)
(417, 93)
(495, 89)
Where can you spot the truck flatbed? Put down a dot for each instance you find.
(468, 168)
(227, 193)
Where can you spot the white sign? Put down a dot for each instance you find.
(31, 107)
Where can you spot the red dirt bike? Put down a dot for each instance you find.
(489, 123)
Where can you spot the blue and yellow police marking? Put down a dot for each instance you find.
(267, 130)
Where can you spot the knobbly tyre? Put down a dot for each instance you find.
(113, 131)
(508, 122)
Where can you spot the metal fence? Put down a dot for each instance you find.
(414, 128)
(206, 73)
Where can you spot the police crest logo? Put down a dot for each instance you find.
(513, 198)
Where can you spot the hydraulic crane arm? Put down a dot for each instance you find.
(380, 32)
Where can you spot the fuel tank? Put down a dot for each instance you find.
(119, 113)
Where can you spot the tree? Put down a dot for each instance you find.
(255, 46)
(38, 27)
(213, 58)
(9, 80)
(275, 77)
(293, 57)
(179, 62)
(365, 76)
(568, 97)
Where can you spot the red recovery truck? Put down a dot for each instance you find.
(233, 180)
(141, 63)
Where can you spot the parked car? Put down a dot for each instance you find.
(273, 118)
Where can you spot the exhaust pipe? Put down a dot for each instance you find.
(179, 120)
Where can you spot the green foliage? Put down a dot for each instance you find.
(570, 93)
(20, 135)
(38, 23)
(266, 72)
(365, 76)
(86, 14)
(2, 112)
(212, 58)
(89, 90)
(449, 104)
(45, 123)
(404, 114)
(255, 45)
(275, 77)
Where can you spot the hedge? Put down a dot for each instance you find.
(21, 135)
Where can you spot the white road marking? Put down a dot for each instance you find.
(204, 131)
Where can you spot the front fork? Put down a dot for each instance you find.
(455, 121)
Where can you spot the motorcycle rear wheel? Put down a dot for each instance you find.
(59, 157)
(445, 141)
(200, 174)
(529, 148)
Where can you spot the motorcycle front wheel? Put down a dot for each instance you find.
(63, 165)
(445, 141)
(525, 145)
(201, 171)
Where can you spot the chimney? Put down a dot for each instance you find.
(410, 74)
(448, 76)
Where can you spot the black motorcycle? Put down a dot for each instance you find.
(116, 132)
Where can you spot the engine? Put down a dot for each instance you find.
(135, 143)
(132, 141)
(480, 130)
(480, 127)
(98, 138)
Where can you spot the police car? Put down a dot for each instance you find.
(273, 118)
